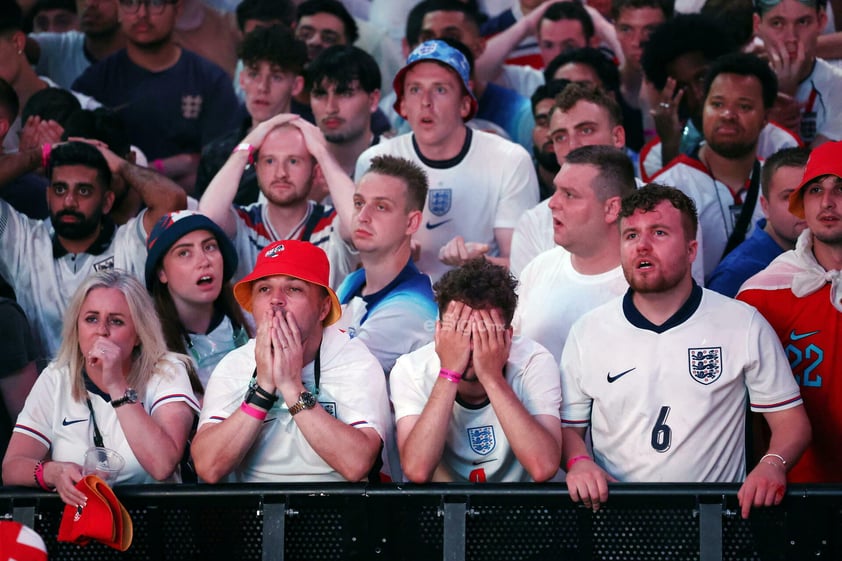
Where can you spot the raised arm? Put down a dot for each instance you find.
(219, 196)
(341, 186)
(159, 193)
(498, 48)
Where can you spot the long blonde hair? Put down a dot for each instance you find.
(145, 357)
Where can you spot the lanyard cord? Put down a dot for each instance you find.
(97, 435)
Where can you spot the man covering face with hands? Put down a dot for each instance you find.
(302, 401)
(477, 404)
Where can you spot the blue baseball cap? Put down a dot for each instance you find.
(171, 227)
(436, 50)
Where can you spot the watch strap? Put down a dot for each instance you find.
(129, 397)
(302, 403)
(254, 398)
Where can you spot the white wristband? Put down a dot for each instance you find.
(778, 456)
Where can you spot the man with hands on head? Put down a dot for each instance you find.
(668, 403)
(477, 404)
(302, 401)
(290, 156)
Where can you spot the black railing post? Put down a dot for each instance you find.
(24, 515)
(273, 530)
(455, 512)
(710, 531)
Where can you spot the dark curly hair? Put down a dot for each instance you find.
(683, 34)
(595, 58)
(479, 284)
(275, 44)
(334, 8)
(650, 195)
(617, 6)
(744, 64)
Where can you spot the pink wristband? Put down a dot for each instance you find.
(572, 461)
(46, 150)
(450, 375)
(39, 476)
(253, 411)
(159, 166)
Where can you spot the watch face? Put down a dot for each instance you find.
(131, 395)
(307, 399)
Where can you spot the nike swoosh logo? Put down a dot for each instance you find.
(67, 423)
(612, 379)
(793, 336)
(478, 462)
(433, 226)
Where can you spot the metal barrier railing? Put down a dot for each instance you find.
(348, 522)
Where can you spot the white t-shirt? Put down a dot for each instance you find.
(352, 388)
(668, 404)
(717, 208)
(489, 185)
(52, 417)
(520, 78)
(62, 57)
(476, 448)
(821, 107)
(44, 283)
(533, 236)
(553, 295)
(773, 137)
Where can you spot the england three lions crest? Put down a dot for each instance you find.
(482, 439)
(440, 201)
(705, 364)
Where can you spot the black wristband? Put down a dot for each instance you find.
(253, 398)
(264, 394)
(256, 387)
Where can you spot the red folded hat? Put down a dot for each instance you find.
(103, 518)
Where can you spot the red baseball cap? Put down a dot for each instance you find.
(103, 518)
(291, 258)
(824, 160)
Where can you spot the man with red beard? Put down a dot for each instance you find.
(723, 175)
(289, 155)
(667, 404)
(800, 293)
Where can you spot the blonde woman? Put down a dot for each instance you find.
(113, 384)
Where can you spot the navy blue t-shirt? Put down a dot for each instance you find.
(175, 111)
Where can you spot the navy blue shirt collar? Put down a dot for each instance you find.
(684, 313)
